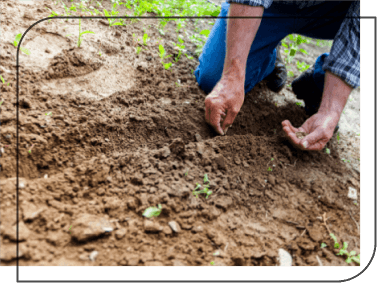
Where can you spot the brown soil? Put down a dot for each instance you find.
(301, 135)
(123, 137)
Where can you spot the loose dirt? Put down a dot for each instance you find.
(126, 134)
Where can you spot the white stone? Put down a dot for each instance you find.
(352, 193)
(93, 255)
(285, 259)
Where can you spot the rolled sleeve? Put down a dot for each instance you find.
(265, 3)
(344, 57)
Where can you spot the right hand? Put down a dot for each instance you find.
(223, 104)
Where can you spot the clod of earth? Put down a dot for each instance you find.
(301, 135)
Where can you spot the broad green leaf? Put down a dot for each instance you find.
(292, 52)
(345, 245)
(152, 211)
(25, 50)
(303, 51)
(349, 260)
(352, 253)
(205, 32)
(162, 50)
(336, 245)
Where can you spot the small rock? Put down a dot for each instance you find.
(21, 185)
(177, 146)
(88, 226)
(150, 226)
(220, 161)
(271, 179)
(237, 160)
(23, 232)
(175, 226)
(285, 259)
(198, 229)
(30, 211)
(245, 164)
(198, 138)
(200, 148)
(120, 233)
(352, 193)
(93, 255)
(107, 140)
(9, 252)
(167, 230)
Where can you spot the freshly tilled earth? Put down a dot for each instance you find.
(125, 142)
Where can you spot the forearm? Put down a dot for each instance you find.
(335, 94)
(240, 36)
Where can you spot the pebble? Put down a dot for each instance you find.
(83, 257)
(198, 229)
(150, 226)
(23, 232)
(285, 259)
(198, 138)
(352, 193)
(120, 233)
(167, 230)
(271, 179)
(175, 226)
(93, 255)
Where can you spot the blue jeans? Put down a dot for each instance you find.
(262, 55)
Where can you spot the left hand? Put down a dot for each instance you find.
(319, 127)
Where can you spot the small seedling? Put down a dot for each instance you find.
(163, 56)
(323, 245)
(355, 203)
(1, 102)
(49, 114)
(299, 103)
(350, 256)
(138, 49)
(17, 41)
(338, 137)
(81, 34)
(212, 263)
(205, 188)
(100, 53)
(2, 79)
(152, 211)
(145, 39)
(112, 21)
(291, 74)
(269, 169)
(327, 150)
(31, 148)
(336, 244)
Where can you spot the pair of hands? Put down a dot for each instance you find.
(225, 101)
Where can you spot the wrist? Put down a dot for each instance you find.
(335, 94)
(234, 70)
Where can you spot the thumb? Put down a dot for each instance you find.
(310, 140)
(228, 121)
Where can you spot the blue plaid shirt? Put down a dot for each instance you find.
(344, 58)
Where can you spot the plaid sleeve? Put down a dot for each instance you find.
(265, 3)
(344, 57)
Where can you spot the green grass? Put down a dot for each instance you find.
(163, 56)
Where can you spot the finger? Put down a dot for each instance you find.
(215, 121)
(314, 140)
(229, 119)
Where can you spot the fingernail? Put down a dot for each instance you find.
(305, 144)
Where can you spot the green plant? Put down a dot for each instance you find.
(212, 263)
(1, 102)
(350, 256)
(112, 21)
(2, 79)
(31, 148)
(152, 211)
(145, 39)
(338, 137)
(205, 188)
(336, 244)
(49, 114)
(180, 47)
(81, 34)
(323, 245)
(269, 169)
(302, 67)
(17, 41)
(163, 56)
(299, 103)
(138, 49)
(327, 150)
